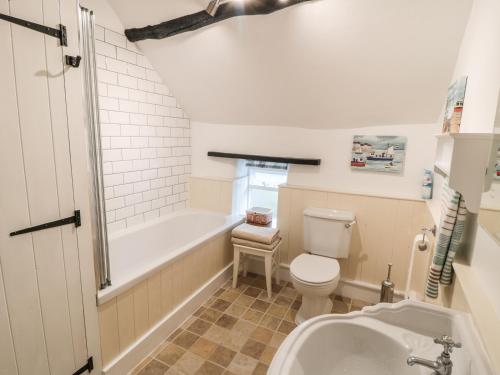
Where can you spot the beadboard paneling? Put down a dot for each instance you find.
(43, 289)
(211, 194)
(126, 318)
(384, 231)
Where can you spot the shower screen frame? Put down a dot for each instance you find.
(98, 214)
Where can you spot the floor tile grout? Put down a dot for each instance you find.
(227, 332)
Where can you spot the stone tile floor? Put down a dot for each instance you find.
(235, 332)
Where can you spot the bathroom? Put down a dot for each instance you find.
(138, 137)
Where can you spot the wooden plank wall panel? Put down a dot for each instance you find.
(161, 293)
(126, 324)
(81, 178)
(141, 309)
(43, 317)
(167, 299)
(17, 262)
(58, 109)
(154, 298)
(108, 324)
(41, 182)
(384, 231)
(8, 365)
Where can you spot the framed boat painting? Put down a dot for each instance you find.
(378, 153)
(454, 106)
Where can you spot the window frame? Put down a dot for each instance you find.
(263, 188)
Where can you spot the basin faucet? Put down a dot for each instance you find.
(443, 364)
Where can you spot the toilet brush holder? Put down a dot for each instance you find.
(387, 289)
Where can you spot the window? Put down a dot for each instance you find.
(264, 179)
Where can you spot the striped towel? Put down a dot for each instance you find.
(451, 229)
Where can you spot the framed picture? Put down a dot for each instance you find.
(454, 106)
(378, 153)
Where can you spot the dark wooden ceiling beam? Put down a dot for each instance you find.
(274, 159)
(201, 19)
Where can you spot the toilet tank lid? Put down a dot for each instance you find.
(329, 214)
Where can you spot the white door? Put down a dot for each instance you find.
(42, 322)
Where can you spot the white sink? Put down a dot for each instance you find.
(378, 340)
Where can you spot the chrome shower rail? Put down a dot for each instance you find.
(101, 253)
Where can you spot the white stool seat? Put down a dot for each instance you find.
(271, 263)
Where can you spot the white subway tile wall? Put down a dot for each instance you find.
(146, 145)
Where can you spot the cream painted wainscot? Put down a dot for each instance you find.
(133, 323)
(385, 230)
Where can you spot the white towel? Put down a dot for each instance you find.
(254, 233)
(258, 245)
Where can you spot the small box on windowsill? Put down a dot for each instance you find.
(259, 216)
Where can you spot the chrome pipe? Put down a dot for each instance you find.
(349, 225)
(99, 228)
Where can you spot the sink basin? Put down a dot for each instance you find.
(378, 340)
(352, 348)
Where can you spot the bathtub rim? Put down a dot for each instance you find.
(185, 211)
(118, 286)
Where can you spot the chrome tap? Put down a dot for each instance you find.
(443, 364)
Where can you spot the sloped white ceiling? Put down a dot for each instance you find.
(324, 64)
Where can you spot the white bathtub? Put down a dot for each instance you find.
(138, 252)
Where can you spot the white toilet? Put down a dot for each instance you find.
(315, 274)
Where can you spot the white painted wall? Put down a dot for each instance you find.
(322, 64)
(479, 59)
(333, 147)
(104, 14)
(485, 260)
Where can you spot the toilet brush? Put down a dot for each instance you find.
(387, 290)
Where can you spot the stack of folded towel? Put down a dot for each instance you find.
(255, 236)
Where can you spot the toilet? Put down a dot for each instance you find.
(316, 273)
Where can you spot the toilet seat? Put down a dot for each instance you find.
(315, 270)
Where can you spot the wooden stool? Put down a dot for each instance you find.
(271, 261)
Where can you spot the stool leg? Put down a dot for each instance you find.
(278, 258)
(245, 265)
(269, 273)
(236, 267)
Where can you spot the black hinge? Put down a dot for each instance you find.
(75, 219)
(89, 366)
(73, 61)
(59, 33)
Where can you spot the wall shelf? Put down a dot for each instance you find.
(464, 159)
(275, 159)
